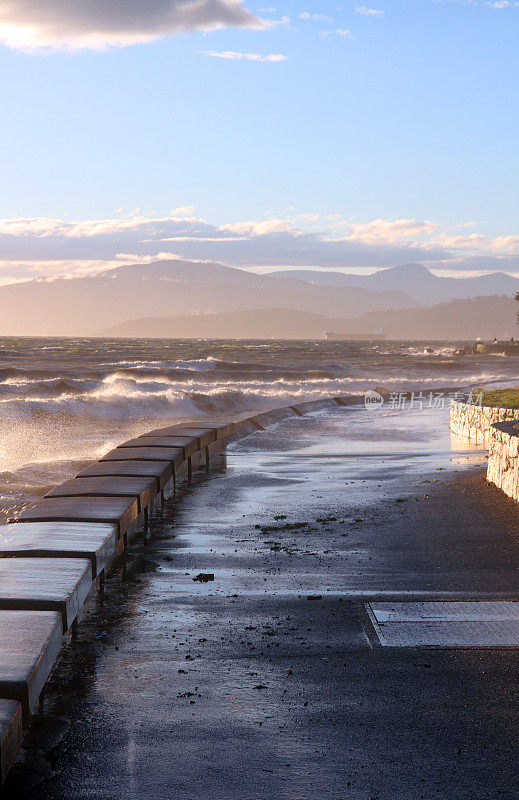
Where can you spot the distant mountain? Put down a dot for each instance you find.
(84, 306)
(264, 323)
(469, 319)
(414, 279)
(483, 317)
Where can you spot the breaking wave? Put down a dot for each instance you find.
(65, 402)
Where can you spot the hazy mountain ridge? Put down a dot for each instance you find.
(415, 279)
(483, 317)
(168, 290)
(84, 306)
(265, 323)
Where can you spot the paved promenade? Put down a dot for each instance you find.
(275, 680)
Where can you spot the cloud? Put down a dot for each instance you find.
(97, 24)
(43, 247)
(260, 228)
(307, 17)
(182, 211)
(338, 32)
(369, 12)
(232, 55)
(384, 230)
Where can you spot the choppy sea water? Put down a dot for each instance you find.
(64, 402)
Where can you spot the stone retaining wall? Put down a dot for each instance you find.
(496, 429)
(503, 458)
(54, 558)
(475, 422)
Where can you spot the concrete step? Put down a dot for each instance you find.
(30, 642)
(222, 430)
(243, 428)
(120, 511)
(11, 734)
(189, 444)
(46, 584)
(267, 418)
(141, 489)
(203, 436)
(314, 405)
(173, 455)
(95, 541)
(161, 471)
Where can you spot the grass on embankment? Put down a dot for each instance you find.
(509, 398)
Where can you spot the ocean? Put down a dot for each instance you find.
(65, 402)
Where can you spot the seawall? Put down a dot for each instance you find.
(54, 558)
(497, 429)
(475, 422)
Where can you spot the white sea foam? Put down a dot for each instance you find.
(71, 403)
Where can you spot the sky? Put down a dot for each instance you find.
(328, 135)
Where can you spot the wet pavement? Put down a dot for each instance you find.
(269, 681)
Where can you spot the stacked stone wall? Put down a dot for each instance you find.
(495, 428)
(475, 422)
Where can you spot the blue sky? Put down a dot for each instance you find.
(390, 128)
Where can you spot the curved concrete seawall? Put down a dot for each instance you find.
(56, 555)
(497, 429)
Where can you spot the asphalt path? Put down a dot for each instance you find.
(269, 681)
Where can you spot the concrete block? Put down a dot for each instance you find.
(173, 455)
(161, 471)
(202, 458)
(120, 511)
(271, 417)
(30, 642)
(314, 405)
(189, 444)
(216, 449)
(203, 436)
(257, 425)
(199, 460)
(11, 734)
(222, 429)
(243, 428)
(142, 489)
(349, 399)
(167, 491)
(45, 584)
(95, 541)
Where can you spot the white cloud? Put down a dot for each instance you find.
(259, 228)
(344, 32)
(369, 12)
(306, 17)
(386, 230)
(47, 247)
(321, 18)
(182, 211)
(232, 55)
(37, 226)
(97, 24)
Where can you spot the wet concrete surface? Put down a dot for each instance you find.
(268, 682)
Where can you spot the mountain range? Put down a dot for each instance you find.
(163, 294)
(84, 306)
(483, 317)
(415, 279)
